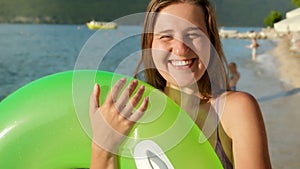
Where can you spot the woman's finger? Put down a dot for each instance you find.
(123, 99)
(115, 90)
(133, 102)
(94, 99)
(140, 112)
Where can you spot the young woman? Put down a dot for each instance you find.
(181, 50)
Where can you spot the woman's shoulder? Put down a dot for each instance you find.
(240, 109)
(237, 98)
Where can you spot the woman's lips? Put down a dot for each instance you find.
(186, 63)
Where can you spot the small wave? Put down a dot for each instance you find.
(267, 65)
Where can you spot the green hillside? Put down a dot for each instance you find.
(248, 13)
(67, 11)
(229, 12)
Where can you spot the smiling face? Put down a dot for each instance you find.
(180, 47)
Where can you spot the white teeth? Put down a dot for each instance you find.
(181, 62)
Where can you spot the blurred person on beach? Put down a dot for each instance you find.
(182, 49)
(234, 75)
(254, 45)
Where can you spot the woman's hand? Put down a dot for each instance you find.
(112, 121)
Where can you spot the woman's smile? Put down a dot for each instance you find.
(182, 63)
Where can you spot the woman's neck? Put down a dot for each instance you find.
(189, 90)
(186, 98)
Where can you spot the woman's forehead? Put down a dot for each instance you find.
(180, 16)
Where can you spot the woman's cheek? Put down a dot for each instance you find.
(160, 55)
(160, 58)
(202, 50)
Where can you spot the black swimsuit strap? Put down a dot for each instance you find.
(219, 148)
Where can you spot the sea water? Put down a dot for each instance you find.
(29, 52)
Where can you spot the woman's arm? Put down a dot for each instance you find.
(102, 159)
(243, 122)
(112, 121)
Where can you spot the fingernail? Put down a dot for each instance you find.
(142, 87)
(95, 88)
(123, 79)
(134, 81)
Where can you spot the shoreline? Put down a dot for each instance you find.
(288, 62)
(281, 115)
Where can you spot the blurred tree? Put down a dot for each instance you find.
(296, 3)
(272, 18)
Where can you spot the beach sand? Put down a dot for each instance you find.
(282, 114)
(289, 62)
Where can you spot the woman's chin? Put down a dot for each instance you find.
(186, 83)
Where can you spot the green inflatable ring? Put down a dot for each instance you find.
(45, 124)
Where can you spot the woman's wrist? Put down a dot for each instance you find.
(99, 151)
(101, 158)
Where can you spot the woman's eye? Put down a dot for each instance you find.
(165, 37)
(193, 35)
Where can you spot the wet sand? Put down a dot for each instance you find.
(289, 62)
(282, 115)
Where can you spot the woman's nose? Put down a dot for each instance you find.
(180, 48)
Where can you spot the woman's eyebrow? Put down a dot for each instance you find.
(194, 29)
(164, 31)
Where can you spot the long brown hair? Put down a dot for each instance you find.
(207, 87)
